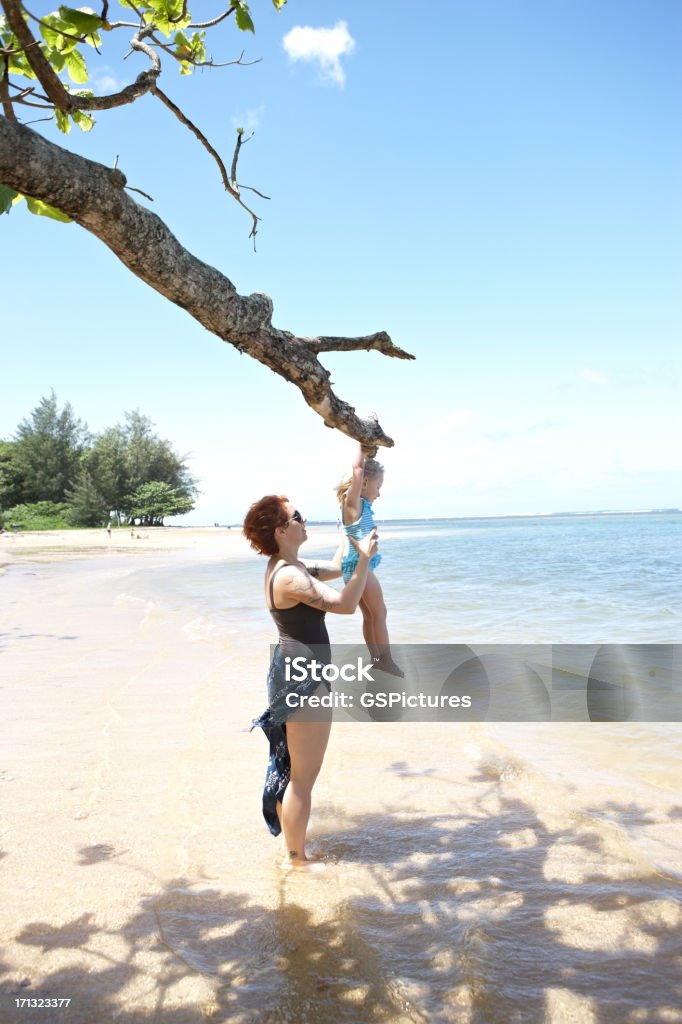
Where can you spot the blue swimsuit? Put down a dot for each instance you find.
(359, 529)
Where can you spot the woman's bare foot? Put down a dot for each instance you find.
(295, 862)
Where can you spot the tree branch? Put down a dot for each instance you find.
(203, 63)
(54, 89)
(216, 21)
(142, 84)
(378, 342)
(209, 148)
(94, 197)
(5, 98)
(40, 65)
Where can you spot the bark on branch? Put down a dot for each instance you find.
(378, 342)
(94, 197)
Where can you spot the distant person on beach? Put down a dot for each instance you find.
(297, 599)
(356, 492)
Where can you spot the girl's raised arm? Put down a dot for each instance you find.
(352, 504)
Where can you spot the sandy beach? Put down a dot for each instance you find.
(140, 883)
(61, 545)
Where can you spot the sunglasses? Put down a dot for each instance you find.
(296, 518)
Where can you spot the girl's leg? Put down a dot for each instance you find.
(368, 629)
(374, 612)
(374, 626)
(307, 742)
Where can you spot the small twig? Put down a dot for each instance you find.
(209, 148)
(37, 121)
(105, 10)
(131, 189)
(19, 49)
(216, 21)
(28, 103)
(235, 158)
(138, 13)
(29, 89)
(249, 188)
(203, 63)
(379, 342)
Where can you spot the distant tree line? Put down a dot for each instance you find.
(55, 473)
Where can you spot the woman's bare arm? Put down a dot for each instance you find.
(296, 586)
(327, 570)
(322, 570)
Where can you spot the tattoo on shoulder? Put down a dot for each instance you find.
(314, 571)
(305, 585)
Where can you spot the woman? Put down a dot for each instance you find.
(298, 600)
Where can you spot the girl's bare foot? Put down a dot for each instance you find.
(385, 663)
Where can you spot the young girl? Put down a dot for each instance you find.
(356, 492)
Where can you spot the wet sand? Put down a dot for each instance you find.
(139, 880)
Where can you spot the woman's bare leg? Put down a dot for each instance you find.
(307, 742)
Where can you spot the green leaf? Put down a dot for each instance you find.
(50, 27)
(75, 65)
(56, 59)
(162, 11)
(84, 121)
(40, 208)
(7, 197)
(83, 19)
(279, 4)
(190, 49)
(63, 122)
(18, 65)
(243, 18)
(83, 22)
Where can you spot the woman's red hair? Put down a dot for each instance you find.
(262, 520)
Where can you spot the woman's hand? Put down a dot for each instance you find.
(368, 546)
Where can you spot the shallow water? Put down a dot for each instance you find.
(471, 873)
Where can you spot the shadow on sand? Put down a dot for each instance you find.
(457, 917)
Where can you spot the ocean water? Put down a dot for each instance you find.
(572, 579)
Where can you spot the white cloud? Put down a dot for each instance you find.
(593, 376)
(250, 120)
(322, 45)
(103, 81)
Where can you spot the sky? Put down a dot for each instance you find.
(496, 184)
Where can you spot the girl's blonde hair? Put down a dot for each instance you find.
(372, 468)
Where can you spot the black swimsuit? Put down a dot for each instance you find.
(302, 630)
(302, 634)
